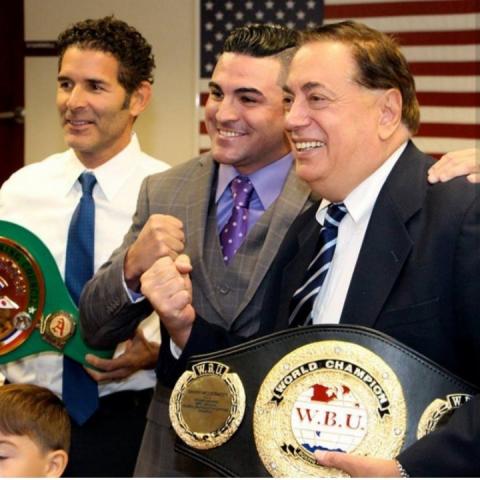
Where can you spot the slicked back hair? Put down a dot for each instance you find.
(264, 40)
(260, 40)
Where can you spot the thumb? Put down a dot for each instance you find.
(331, 459)
(183, 263)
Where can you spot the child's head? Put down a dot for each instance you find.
(34, 432)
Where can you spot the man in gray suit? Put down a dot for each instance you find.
(244, 117)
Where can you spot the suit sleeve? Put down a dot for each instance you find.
(454, 449)
(107, 315)
(204, 338)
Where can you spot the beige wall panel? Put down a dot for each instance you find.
(167, 129)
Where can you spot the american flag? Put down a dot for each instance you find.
(440, 39)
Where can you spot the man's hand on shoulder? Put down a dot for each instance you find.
(139, 354)
(161, 236)
(456, 164)
(168, 287)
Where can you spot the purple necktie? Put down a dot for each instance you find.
(235, 230)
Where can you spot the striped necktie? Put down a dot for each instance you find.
(302, 301)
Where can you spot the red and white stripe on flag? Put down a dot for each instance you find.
(440, 40)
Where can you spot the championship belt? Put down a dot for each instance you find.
(261, 409)
(37, 313)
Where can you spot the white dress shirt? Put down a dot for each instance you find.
(328, 306)
(42, 198)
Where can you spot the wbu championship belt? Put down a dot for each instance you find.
(263, 408)
(36, 311)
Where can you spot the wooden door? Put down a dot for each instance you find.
(11, 87)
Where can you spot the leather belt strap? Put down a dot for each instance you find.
(270, 367)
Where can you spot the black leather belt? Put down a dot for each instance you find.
(127, 400)
(329, 378)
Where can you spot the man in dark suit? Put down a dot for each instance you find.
(407, 258)
(407, 255)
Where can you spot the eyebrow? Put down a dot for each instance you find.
(240, 90)
(62, 78)
(306, 87)
(7, 442)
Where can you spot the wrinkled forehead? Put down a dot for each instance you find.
(323, 62)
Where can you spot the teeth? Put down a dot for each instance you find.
(78, 122)
(229, 133)
(301, 146)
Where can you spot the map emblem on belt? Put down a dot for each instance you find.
(22, 295)
(327, 395)
(207, 405)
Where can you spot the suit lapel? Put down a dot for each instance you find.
(387, 242)
(199, 194)
(287, 207)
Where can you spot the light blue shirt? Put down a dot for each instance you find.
(268, 183)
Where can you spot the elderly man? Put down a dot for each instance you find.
(404, 249)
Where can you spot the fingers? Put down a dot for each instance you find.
(106, 364)
(117, 374)
(357, 466)
(474, 178)
(455, 164)
(161, 236)
(168, 287)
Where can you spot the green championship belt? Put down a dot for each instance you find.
(37, 313)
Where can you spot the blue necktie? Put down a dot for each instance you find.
(303, 299)
(80, 391)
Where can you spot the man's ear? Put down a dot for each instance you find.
(390, 104)
(56, 463)
(140, 98)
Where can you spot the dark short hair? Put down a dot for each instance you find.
(260, 40)
(35, 412)
(381, 64)
(124, 42)
(264, 40)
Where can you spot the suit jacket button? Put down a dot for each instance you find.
(223, 289)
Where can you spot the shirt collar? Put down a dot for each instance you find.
(268, 181)
(361, 200)
(111, 175)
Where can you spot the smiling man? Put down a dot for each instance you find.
(190, 208)
(104, 83)
(406, 254)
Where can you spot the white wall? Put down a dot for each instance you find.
(167, 130)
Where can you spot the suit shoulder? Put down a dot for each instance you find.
(458, 191)
(184, 171)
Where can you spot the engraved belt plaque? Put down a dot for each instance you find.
(207, 405)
